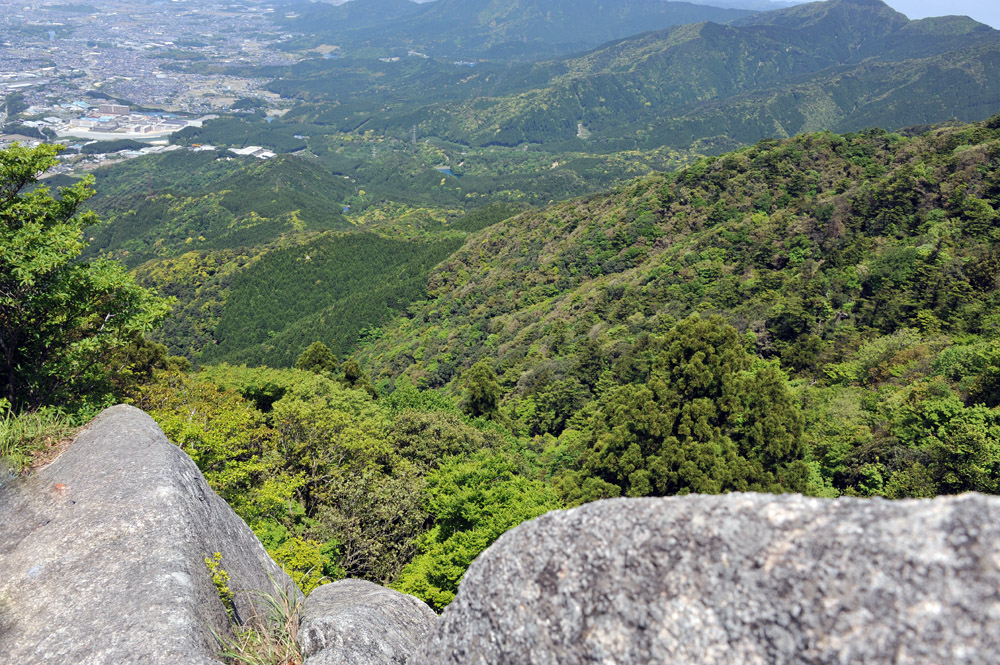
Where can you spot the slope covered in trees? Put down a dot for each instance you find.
(164, 206)
(835, 225)
(327, 289)
(225, 235)
(814, 315)
(862, 264)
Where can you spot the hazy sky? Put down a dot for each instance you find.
(984, 11)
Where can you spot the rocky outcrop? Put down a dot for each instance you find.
(102, 554)
(353, 622)
(102, 561)
(743, 578)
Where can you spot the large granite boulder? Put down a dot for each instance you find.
(102, 554)
(353, 622)
(743, 578)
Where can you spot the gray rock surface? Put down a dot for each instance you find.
(102, 554)
(739, 579)
(353, 622)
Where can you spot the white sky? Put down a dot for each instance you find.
(984, 11)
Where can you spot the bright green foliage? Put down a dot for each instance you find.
(336, 483)
(330, 479)
(428, 438)
(317, 358)
(550, 404)
(815, 249)
(770, 236)
(958, 445)
(228, 439)
(903, 419)
(305, 562)
(220, 578)
(26, 434)
(811, 256)
(242, 245)
(985, 387)
(474, 500)
(61, 321)
(407, 397)
(162, 206)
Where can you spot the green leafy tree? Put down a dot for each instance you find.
(354, 377)
(308, 562)
(61, 320)
(317, 358)
(710, 418)
(474, 500)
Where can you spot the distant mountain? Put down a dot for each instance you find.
(324, 19)
(840, 65)
(753, 5)
(497, 29)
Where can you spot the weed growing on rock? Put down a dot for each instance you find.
(270, 638)
(220, 578)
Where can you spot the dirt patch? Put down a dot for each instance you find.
(50, 448)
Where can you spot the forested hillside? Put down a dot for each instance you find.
(863, 265)
(327, 289)
(167, 205)
(228, 237)
(813, 315)
(418, 325)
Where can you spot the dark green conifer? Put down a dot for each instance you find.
(318, 358)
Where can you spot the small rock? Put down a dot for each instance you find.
(353, 622)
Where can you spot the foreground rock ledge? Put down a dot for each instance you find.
(102, 554)
(742, 578)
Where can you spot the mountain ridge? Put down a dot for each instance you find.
(494, 29)
(644, 84)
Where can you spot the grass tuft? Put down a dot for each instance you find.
(271, 639)
(27, 439)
